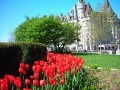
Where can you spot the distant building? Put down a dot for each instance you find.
(80, 15)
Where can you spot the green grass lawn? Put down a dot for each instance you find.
(104, 60)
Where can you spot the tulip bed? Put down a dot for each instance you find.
(60, 72)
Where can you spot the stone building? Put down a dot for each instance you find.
(79, 14)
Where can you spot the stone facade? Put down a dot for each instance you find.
(80, 15)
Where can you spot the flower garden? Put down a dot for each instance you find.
(60, 72)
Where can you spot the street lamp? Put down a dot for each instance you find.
(118, 42)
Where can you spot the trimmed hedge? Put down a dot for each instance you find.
(11, 54)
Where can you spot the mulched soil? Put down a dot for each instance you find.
(109, 80)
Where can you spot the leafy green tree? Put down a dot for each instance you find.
(47, 29)
(69, 34)
(37, 29)
(101, 25)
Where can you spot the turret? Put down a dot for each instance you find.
(88, 9)
(80, 8)
(106, 4)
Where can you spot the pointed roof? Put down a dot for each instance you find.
(88, 9)
(81, 1)
(106, 4)
(110, 9)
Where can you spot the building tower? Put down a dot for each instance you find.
(108, 8)
(80, 8)
(106, 4)
(79, 14)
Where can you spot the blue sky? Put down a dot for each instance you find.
(13, 12)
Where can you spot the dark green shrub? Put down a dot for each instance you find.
(33, 52)
(11, 54)
(10, 57)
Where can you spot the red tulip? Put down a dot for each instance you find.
(78, 67)
(7, 76)
(12, 79)
(35, 82)
(73, 71)
(36, 68)
(22, 64)
(32, 77)
(59, 75)
(36, 75)
(27, 89)
(72, 66)
(51, 80)
(18, 78)
(42, 63)
(68, 67)
(82, 61)
(27, 81)
(36, 63)
(26, 67)
(4, 84)
(62, 81)
(17, 83)
(60, 70)
(22, 71)
(42, 82)
(50, 60)
(54, 83)
(47, 73)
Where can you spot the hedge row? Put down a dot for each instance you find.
(11, 54)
